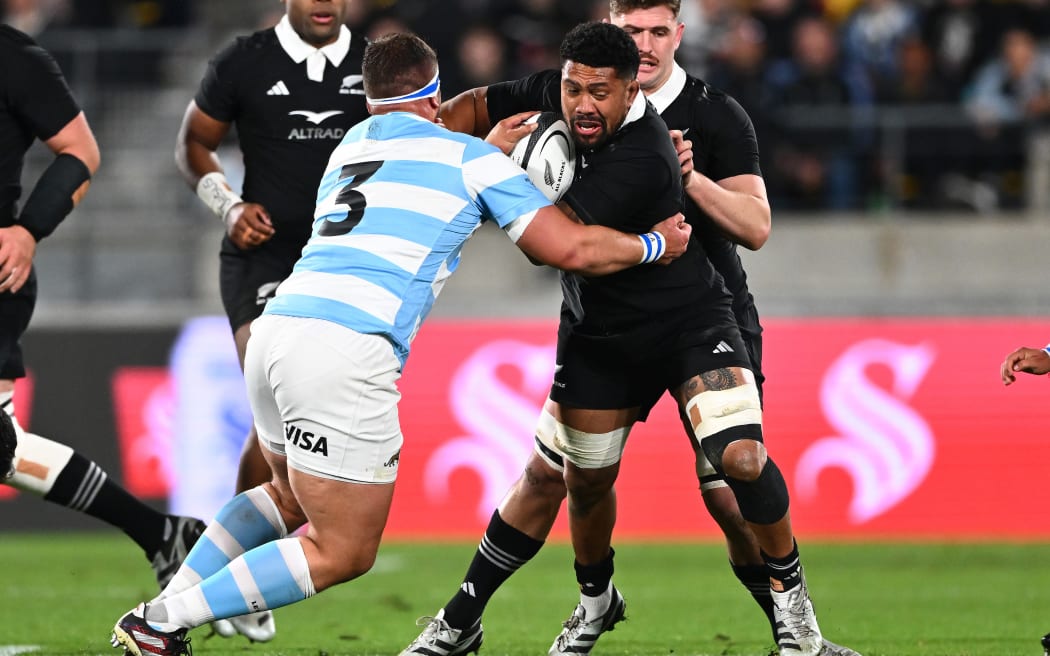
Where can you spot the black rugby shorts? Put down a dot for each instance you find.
(592, 374)
(15, 312)
(753, 343)
(248, 279)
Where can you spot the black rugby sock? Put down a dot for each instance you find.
(502, 551)
(787, 570)
(756, 579)
(594, 579)
(83, 486)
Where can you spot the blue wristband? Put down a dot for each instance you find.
(655, 247)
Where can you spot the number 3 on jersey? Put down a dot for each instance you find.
(349, 196)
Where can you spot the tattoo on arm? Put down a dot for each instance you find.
(719, 379)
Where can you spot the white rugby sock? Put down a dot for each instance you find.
(596, 606)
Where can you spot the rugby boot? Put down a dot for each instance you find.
(440, 639)
(180, 534)
(138, 638)
(796, 624)
(580, 633)
(831, 649)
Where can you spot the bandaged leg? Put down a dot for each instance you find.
(39, 461)
(723, 417)
(556, 441)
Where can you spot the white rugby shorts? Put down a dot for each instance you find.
(326, 397)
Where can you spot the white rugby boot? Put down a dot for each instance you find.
(580, 633)
(831, 649)
(440, 639)
(796, 624)
(257, 627)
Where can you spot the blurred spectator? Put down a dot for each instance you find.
(1009, 94)
(710, 22)
(838, 10)
(535, 29)
(739, 70)
(915, 82)
(34, 16)
(481, 60)
(438, 23)
(778, 18)
(925, 154)
(817, 156)
(960, 35)
(872, 36)
(1013, 86)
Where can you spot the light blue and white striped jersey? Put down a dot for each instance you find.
(398, 200)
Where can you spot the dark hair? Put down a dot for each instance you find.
(624, 6)
(602, 45)
(396, 64)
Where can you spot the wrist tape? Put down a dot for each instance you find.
(655, 246)
(216, 193)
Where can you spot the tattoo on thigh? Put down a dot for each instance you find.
(719, 379)
(531, 476)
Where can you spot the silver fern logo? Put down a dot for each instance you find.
(883, 443)
(499, 419)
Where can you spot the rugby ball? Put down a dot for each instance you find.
(548, 155)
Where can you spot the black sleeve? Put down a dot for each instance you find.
(539, 91)
(217, 96)
(39, 94)
(625, 193)
(734, 148)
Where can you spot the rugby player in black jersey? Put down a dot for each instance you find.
(728, 203)
(292, 92)
(36, 103)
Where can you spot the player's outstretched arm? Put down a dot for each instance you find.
(468, 113)
(556, 240)
(247, 224)
(56, 193)
(1025, 360)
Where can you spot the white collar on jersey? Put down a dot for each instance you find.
(300, 50)
(636, 111)
(665, 95)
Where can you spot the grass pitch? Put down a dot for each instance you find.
(61, 593)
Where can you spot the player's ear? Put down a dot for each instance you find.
(632, 90)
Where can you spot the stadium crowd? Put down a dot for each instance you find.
(859, 104)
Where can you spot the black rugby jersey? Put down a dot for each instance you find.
(287, 124)
(35, 103)
(632, 182)
(724, 145)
